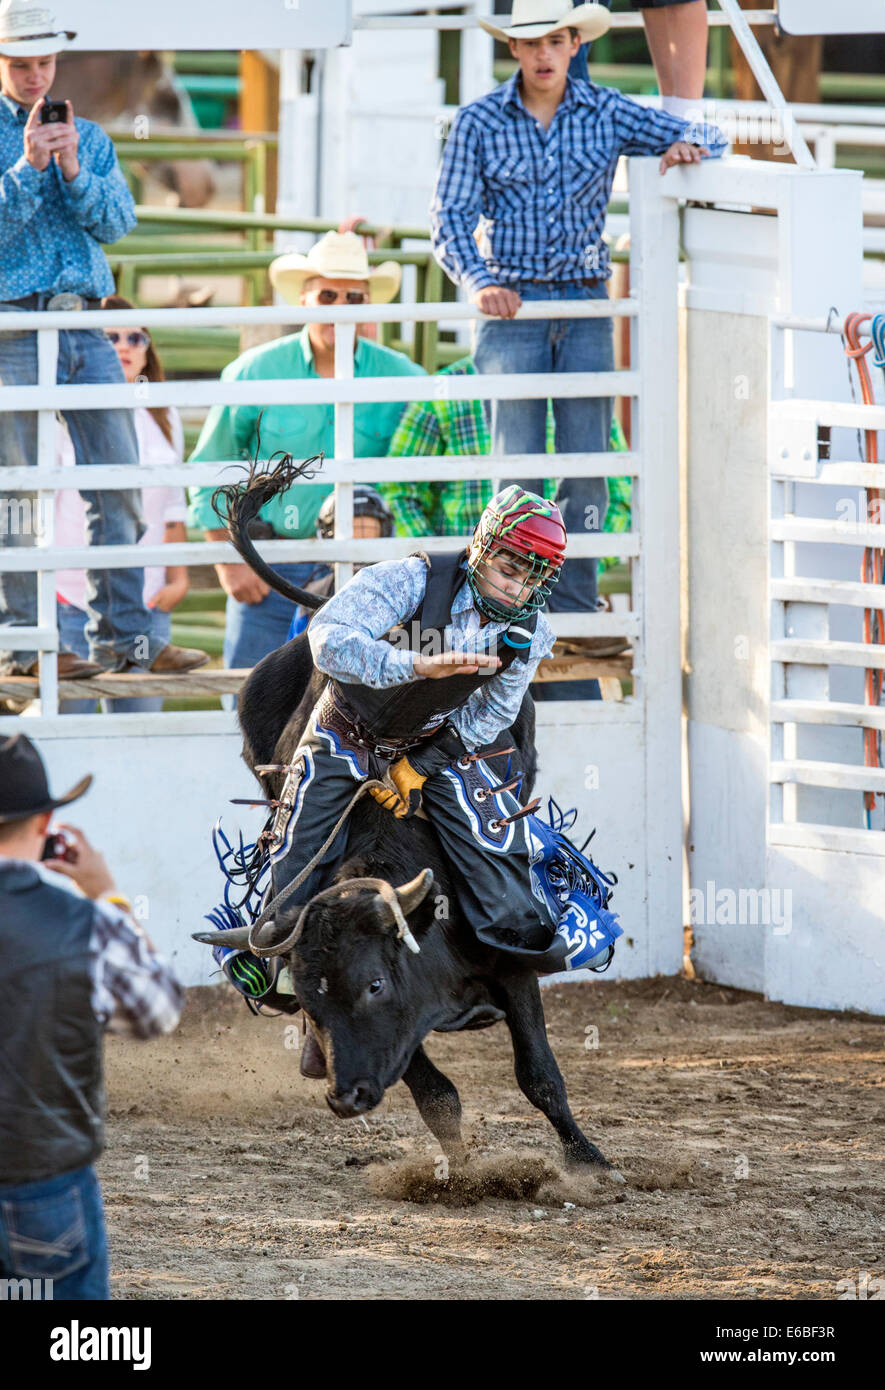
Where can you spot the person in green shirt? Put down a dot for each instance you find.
(432, 428)
(335, 271)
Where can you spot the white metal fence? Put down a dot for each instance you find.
(818, 711)
(343, 392)
(619, 762)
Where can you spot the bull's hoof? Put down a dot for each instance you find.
(614, 1176)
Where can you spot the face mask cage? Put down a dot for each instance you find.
(495, 603)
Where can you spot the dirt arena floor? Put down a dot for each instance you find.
(750, 1135)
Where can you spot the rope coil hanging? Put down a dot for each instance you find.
(873, 564)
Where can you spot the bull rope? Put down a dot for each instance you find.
(276, 903)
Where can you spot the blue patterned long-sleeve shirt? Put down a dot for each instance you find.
(541, 196)
(51, 229)
(346, 642)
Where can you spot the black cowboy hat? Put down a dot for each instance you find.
(24, 790)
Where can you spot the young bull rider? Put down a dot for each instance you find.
(425, 717)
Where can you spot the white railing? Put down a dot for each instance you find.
(803, 652)
(631, 748)
(343, 392)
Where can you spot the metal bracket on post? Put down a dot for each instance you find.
(47, 612)
(792, 441)
(345, 341)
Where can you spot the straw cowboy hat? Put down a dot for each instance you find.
(30, 31)
(336, 256)
(532, 19)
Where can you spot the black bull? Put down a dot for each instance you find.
(371, 1000)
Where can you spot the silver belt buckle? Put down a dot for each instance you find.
(384, 750)
(66, 302)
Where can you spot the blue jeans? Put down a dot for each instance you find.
(72, 636)
(583, 425)
(119, 623)
(253, 630)
(54, 1229)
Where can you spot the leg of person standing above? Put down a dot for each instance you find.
(583, 425)
(72, 638)
(677, 37)
(20, 520)
(119, 628)
(516, 345)
(161, 626)
(676, 31)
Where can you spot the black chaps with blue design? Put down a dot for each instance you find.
(464, 803)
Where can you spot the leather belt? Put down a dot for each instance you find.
(42, 299)
(332, 708)
(588, 284)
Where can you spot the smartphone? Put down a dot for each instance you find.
(53, 111)
(58, 847)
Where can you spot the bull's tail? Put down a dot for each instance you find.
(239, 503)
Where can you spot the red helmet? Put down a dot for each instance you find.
(524, 523)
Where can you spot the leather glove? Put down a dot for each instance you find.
(406, 800)
(409, 774)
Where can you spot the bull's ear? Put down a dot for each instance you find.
(412, 894)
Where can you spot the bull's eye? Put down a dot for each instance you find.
(376, 987)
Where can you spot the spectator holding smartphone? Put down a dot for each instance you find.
(61, 196)
(160, 442)
(73, 963)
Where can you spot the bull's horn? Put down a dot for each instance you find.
(412, 893)
(235, 937)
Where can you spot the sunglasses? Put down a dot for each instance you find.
(328, 297)
(136, 339)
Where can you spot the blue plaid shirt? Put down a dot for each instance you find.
(541, 196)
(50, 229)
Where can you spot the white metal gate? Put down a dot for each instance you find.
(162, 779)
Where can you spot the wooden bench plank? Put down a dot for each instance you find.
(143, 685)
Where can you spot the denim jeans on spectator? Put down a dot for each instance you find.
(119, 625)
(72, 637)
(582, 424)
(54, 1229)
(254, 629)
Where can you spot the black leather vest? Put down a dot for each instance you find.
(51, 1090)
(402, 712)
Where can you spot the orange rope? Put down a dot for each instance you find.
(872, 565)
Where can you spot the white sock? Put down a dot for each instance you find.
(686, 108)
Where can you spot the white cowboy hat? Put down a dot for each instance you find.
(532, 19)
(336, 256)
(30, 31)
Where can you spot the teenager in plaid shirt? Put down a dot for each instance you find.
(532, 165)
